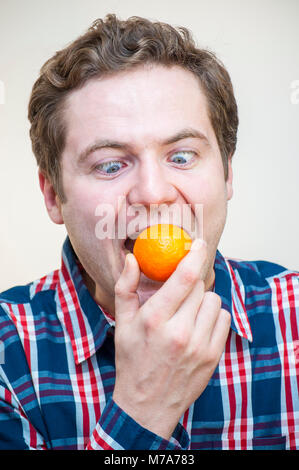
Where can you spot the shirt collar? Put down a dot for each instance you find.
(229, 286)
(87, 324)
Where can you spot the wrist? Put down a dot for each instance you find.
(153, 420)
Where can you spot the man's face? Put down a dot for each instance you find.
(139, 120)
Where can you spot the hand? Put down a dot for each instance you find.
(168, 348)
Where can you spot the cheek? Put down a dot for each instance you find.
(214, 201)
(209, 191)
(79, 212)
(208, 199)
(90, 217)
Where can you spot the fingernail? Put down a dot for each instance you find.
(197, 244)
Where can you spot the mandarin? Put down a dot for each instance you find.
(159, 249)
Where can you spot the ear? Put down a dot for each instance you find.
(52, 201)
(229, 181)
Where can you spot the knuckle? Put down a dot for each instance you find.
(119, 289)
(179, 340)
(218, 301)
(178, 335)
(210, 355)
(151, 322)
(213, 299)
(188, 276)
(166, 299)
(211, 358)
(226, 316)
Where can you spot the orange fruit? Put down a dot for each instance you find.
(160, 248)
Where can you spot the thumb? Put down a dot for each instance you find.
(126, 297)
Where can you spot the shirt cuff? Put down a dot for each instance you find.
(118, 431)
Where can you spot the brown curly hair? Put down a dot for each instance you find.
(111, 45)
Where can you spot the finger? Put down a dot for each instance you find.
(188, 310)
(126, 297)
(207, 315)
(178, 286)
(221, 330)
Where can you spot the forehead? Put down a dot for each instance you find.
(147, 102)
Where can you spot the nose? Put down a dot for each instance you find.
(153, 185)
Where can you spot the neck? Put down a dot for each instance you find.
(107, 303)
(210, 281)
(100, 297)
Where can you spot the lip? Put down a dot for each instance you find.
(148, 285)
(134, 235)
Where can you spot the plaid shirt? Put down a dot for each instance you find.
(57, 373)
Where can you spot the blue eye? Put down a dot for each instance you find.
(182, 158)
(110, 167)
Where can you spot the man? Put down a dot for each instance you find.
(97, 356)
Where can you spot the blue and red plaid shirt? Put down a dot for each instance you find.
(57, 373)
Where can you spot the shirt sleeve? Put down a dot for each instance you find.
(118, 431)
(16, 431)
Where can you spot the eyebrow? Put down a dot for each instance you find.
(106, 143)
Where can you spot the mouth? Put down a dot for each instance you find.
(129, 245)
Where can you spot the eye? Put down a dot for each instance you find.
(109, 168)
(182, 158)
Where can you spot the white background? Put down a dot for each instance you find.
(258, 40)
